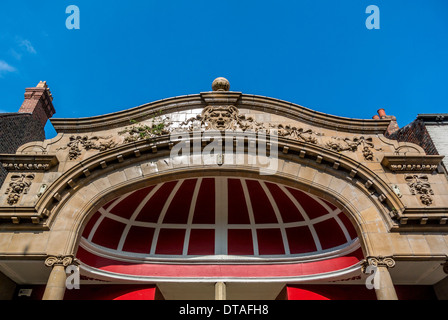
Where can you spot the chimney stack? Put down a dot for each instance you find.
(39, 103)
(393, 126)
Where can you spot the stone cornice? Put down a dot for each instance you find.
(123, 118)
(253, 102)
(300, 113)
(28, 163)
(412, 163)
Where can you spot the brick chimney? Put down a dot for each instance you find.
(393, 126)
(39, 102)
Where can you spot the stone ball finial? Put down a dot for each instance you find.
(221, 84)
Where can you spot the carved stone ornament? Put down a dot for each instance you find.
(221, 84)
(400, 163)
(26, 166)
(159, 126)
(20, 184)
(227, 118)
(418, 184)
(380, 261)
(77, 143)
(65, 261)
(28, 163)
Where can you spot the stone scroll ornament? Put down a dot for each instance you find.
(379, 261)
(419, 185)
(227, 117)
(77, 143)
(65, 261)
(20, 184)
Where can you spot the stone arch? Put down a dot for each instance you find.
(73, 208)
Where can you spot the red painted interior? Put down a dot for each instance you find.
(178, 219)
(180, 205)
(240, 242)
(288, 210)
(205, 203)
(171, 242)
(330, 234)
(218, 270)
(139, 240)
(355, 292)
(260, 203)
(202, 242)
(300, 240)
(238, 213)
(151, 211)
(116, 218)
(270, 242)
(110, 234)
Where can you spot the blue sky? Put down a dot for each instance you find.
(315, 53)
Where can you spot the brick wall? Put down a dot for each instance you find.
(416, 132)
(17, 129)
(28, 124)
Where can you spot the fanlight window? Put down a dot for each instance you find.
(218, 218)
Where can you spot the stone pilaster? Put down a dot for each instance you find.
(56, 284)
(384, 287)
(220, 291)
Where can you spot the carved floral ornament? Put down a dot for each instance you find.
(20, 184)
(77, 143)
(227, 117)
(419, 185)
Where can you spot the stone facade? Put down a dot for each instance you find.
(394, 192)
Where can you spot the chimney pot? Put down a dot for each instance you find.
(382, 113)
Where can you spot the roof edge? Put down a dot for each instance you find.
(246, 101)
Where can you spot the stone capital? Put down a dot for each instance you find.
(379, 261)
(64, 261)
